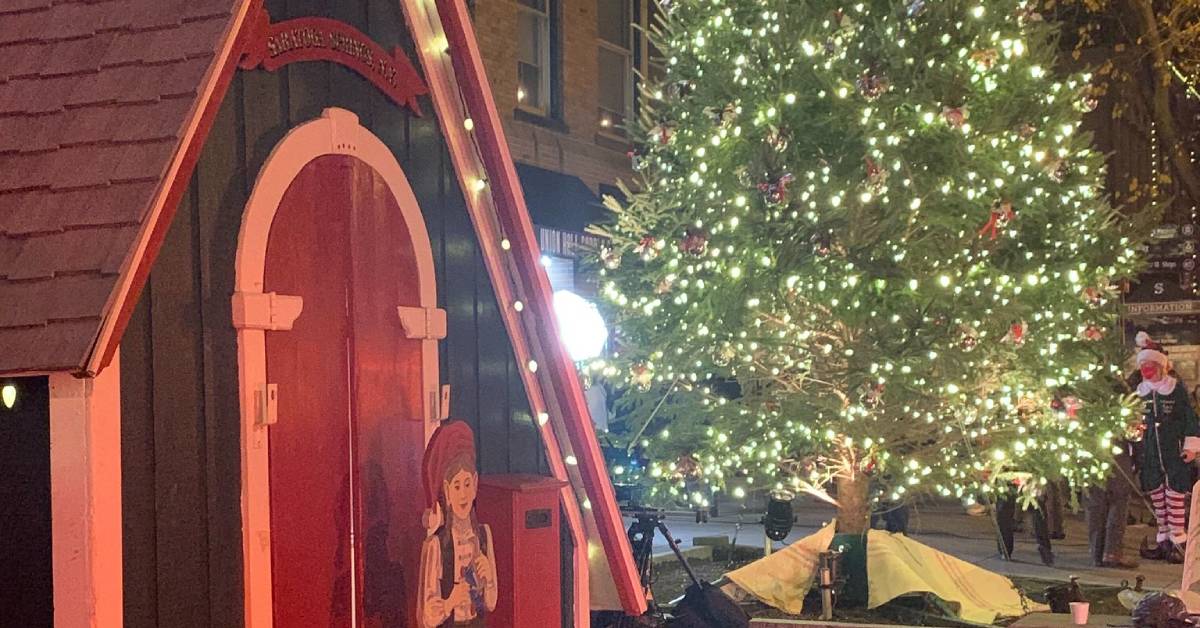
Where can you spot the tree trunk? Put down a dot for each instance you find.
(1160, 101)
(854, 508)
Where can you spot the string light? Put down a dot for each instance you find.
(902, 286)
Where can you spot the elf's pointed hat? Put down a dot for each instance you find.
(1149, 351)
(452, 440)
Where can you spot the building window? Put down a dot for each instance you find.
(615, 63)
(533, 56)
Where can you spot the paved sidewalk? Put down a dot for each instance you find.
(948, 528)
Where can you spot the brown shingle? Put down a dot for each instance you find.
(44, 211)
(69, 252)
(94, 95)
(76, 56)
(48, 348)
(66, 298)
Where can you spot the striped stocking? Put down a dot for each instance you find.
(1158, 499)
(1176, 515)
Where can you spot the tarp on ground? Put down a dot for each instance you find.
(783, 579)
(896, 566)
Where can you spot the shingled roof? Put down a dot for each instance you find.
(95, 100)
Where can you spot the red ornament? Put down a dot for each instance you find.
(776, 191)
(648, 247)
(1002, 214)
(1091, 332)
(1016, 333)
(695, 242)
(956, 116)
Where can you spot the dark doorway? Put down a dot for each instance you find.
(27, 592)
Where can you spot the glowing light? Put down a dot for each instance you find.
(580, 326)
(8, 394)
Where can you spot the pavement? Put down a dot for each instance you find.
(948, 528)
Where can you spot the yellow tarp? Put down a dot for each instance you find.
(896, 566)
(782, 579)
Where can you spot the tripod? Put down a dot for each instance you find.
(641, 538)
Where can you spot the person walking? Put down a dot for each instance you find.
(1170, 443)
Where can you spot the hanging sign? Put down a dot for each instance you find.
(272, 46)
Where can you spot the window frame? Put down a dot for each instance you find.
(546, 32)
(629, 54)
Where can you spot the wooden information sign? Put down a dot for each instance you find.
(273, 46)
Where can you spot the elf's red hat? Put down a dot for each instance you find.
(452, 440)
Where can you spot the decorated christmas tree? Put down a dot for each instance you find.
(868, 249)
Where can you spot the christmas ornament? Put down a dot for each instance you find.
(985, 58)
(1058, 169)
(636, 159)
(969, 338)
(915, 8)
(664, 285)
(610, 258)
(777, 138)
(1016, 333)
(876, 177)
(648, 247)
(664, 132)
(822, 244)
(641, 376)
(1002, 213)
(776, 191)
(726, 354)
(872, 86)
(687, 467)
(1091, 332)
(870, 394)
(956, 117)
(695, 242)
(1093, 296)
(1026, 130)
(1028, 13)
(723, 117)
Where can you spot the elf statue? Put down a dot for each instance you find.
(458, 573)
(1170, 443)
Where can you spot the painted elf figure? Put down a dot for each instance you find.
(458, 575)
(1170, 443)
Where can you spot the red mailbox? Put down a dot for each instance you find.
(523, 512)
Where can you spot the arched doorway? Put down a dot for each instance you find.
(337, 342)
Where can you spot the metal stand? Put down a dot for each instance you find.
(827, 574)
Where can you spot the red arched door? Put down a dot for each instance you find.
(346, 448)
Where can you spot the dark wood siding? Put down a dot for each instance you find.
(180, 421)
(27, 593)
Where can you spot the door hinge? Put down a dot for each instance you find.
(267, 397)
(424, 323)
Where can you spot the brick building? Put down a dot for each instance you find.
(565, 77)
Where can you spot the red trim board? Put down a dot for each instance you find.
(514, 218)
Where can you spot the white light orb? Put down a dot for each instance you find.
(580, 326)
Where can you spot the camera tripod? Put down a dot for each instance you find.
(641, 537)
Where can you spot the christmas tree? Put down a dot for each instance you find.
(870, 246)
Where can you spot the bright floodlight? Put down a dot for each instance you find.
(579, 324)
